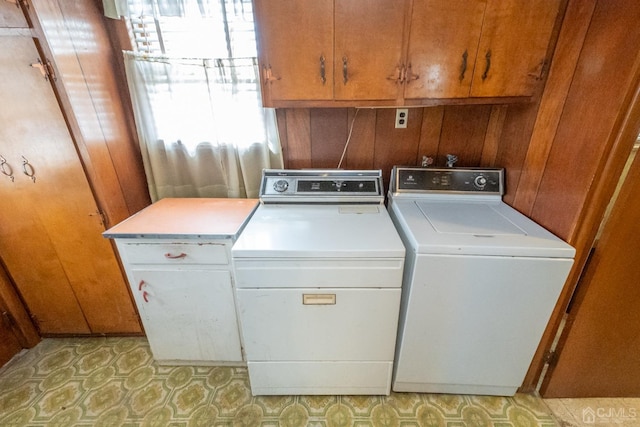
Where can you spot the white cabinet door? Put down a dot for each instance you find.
(188, 315)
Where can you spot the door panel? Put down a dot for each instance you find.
(368, 37)
(50, 229)
(513, 47)
(295, 36)
(443, 56)
(600, 353)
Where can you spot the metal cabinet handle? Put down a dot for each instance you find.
(6, 169)
(169, 255)
(488, 66)
(323, 76)
(28, 169)
(409, 76)
(345, 71)
(463, 66)
(141, 284)
(145, 296)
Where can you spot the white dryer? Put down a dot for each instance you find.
(318, 278)
(479, 286)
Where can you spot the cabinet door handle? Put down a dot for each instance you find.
(323, 76)
(345, 71)
(141, 284)
(145, 296)
(169, 255)
(27, 169)
(409, 76)
(6, 169)
(487, 57)
(463, 66)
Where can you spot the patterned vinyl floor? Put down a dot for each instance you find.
(115, 382)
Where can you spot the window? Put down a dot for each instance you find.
(194, 83)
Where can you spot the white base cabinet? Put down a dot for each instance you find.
(185, 297)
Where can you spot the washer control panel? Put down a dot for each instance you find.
(318, 186)
(447, 180)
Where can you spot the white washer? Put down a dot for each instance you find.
(318, 278)
(480, 282)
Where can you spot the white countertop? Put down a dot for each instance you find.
(187, 218)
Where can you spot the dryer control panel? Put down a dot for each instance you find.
(447, 180)
(321, 186)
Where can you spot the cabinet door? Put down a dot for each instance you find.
(296, 49)
(513, 47)
(368, 48)
(50, 231)
(443, 42)
(188, 314)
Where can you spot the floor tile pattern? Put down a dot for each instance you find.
(115, 382)
(596, 412)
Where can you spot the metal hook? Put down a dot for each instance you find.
(31, 173)
(6, 170)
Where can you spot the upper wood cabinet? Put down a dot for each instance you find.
(410, 52)
(368, 48)
(296, 49)
(513, 47)
(480, 48)
(326, 50)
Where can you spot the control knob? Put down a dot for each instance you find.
(480, 182)
(281, 185)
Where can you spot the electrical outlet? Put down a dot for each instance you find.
(401, 117)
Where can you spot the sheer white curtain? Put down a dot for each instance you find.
(202, 128)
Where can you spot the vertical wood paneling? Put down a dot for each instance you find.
(361, 145)
(492, 137)
(328, 136)
(516, 132)
(298, 138)
(568, 48)
(281, 121)
(603, 75)
(463, 132)
(430, 132)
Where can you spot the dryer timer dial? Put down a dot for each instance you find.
(281, 185)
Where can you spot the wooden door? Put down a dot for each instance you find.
(368, 49)
(296, 49)
(600, 354)
(50, 229)
(513, 47)
(443, 42)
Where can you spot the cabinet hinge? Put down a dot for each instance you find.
(46, 69)
(103, 219)
(551, 357)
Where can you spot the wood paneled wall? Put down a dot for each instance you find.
(480, 135)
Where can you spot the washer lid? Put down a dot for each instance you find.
(468, 218)
(467, 227)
